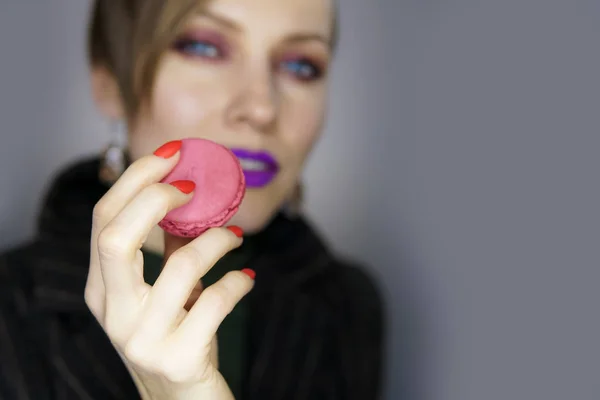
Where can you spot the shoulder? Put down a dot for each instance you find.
(356, 333)
(74, 184)
(16, 278)
(321, 311)
(326, 271)
(75, 172)
(21, 367)
(358, 284)
(355, 297)
(13, 265)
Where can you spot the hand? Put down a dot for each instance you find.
(166, 348)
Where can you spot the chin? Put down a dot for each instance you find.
(256, 212)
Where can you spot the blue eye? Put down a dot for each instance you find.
(302, 69)
(198, 48)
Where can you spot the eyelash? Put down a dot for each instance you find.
(301, 69)
(190, 47)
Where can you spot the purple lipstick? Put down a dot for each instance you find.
(260, 167)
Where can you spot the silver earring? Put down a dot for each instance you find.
(113, 161)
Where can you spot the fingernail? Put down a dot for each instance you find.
(186, 187)
(237, 230)
(249, 272)
(169, 149)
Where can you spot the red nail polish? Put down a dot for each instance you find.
(237, 230)
(249, 272)
(186, 187)
(169, 149)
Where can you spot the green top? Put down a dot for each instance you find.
(231, 340)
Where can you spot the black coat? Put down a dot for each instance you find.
(315, 328)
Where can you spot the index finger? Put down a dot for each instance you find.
(140, 174)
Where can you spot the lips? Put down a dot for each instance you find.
(260, 167)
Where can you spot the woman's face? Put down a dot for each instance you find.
(250, 75)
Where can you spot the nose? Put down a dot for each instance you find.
(255, 103)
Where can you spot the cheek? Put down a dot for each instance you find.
(171, 115)
(175, 112)
(177, 105)
(185, 94)
(306, 124)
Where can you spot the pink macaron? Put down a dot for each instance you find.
(220, 188)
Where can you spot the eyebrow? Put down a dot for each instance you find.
(305, 37)
(292, 38)
(221, 20)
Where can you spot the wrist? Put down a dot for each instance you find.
(214, 391)
(217, 390)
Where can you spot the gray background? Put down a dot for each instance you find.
(461, 160)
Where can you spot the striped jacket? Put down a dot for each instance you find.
(315, 331)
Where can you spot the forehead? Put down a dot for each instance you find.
(277, 16)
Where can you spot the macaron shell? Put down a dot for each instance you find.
(220, 188)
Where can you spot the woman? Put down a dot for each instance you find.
(256, 310)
